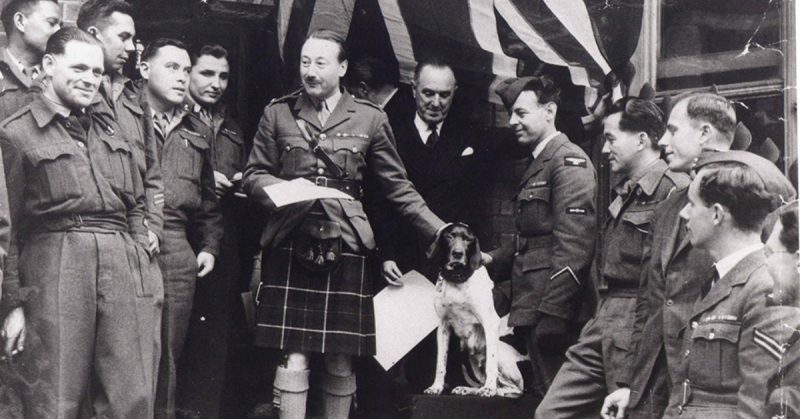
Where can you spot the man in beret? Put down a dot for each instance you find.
(555, 217)
(700, 128)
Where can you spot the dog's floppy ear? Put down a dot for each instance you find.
(475, 257)
(433, 249)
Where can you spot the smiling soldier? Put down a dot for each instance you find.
(315, 296)
(74, 269)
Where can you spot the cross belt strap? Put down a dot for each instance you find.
(335, 169)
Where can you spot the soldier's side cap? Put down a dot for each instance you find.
(509, 89)
(774, 180)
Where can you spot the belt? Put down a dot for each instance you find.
(88, 222)
(694, 396)
(621, 288)
(526, 243)
(349, 187)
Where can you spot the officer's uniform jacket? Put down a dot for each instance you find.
(358, 137)
(126, 100)
(720, 369)
(54, 179)
(189, 198)
(555, 220)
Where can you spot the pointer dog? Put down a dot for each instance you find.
(465, 305)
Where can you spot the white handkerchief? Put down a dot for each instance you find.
(467, 152)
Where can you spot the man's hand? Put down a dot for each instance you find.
(392, 274)
(239, 193)
(221, 184)
(152, 243)
(205, 262)
(13, 333)
(486, 259)
(616, 404)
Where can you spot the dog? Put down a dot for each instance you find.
(465, 306)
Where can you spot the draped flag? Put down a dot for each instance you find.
(484, 40)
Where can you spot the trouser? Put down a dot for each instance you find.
(202, 368)
(546, 355)
(592, 365)
(91, 331)
(179, 268)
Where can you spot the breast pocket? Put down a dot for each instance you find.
(55, 175)
(116, 163)
(189, 155)
(533, 211)
(638, 224)
(714, 354)
(295, 156)
(229, 152)
(350, 153)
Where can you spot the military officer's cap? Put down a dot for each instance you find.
(510, 89)
(774, 180)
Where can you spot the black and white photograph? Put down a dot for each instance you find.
(399, 209)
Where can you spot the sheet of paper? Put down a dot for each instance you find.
(300, 189)
(403, 317)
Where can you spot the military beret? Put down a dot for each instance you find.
(774, 180)
(509, 89)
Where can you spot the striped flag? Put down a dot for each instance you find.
(592, 39)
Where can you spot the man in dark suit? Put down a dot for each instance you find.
(441, 157)
(551, 293)
(699, 125)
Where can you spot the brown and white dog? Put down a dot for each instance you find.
(464, 304)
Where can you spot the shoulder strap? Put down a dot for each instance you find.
(335, 169)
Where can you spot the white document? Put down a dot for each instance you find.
(403, 317)
(300, 189)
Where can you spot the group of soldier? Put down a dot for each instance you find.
(123, 205)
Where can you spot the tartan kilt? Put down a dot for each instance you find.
(305, 311)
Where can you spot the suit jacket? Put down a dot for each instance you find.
(721, 369)
(555, 219)
(445, 175)
(358, 137)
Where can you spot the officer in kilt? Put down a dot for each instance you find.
(315, 295)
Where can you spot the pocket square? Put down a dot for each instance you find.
(467, 152)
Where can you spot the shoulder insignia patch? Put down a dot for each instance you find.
(769, 344)
(538, 184)
(574, 161)
(577, 211)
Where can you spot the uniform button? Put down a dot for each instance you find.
(322, 137)
(355, 150)
(80, 144)
(685, 354)
(711, 335)
(67, 124)
(288, 148)
(669, 303)
(694, 325)
(320, 171)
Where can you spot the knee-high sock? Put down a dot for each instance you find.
(293, 386)
(338, 395)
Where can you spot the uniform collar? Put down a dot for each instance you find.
(726, 264)
(388, 97)
(648, 181)
(17, 67)
(330, 102)
(45, 110)
(542, 144)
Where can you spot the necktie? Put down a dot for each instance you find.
(712, 279)
(323, 113)
(161, 123)
(433, 137)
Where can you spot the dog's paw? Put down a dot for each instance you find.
(463, 391)
(434, 390)
(487, 391)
